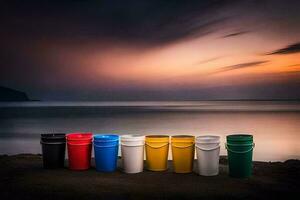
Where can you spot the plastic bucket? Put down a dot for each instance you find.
(106, 152)
(183, 152)
(157, 148)
(79, 150)
(208, 151)
(53, 150)
(132, 148)
(240, 149)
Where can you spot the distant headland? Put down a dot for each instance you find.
(8, 94)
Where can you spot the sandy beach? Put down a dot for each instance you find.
(22, 177)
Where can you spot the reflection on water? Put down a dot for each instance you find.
(276, 134)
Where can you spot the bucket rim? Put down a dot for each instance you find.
(132, 137)
(239, 137)
(182, 136)
(53, 135)
(79, 136)
(208, 139)
(106, 137)
(157, 136)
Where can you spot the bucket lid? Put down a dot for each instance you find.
(208, 139)
(106, 137)
(79, 136)
(239, 137)
(133, 137)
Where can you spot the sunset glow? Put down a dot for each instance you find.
(259, 48)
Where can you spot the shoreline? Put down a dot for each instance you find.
(223, 158)
(22, 176)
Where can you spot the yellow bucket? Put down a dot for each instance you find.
(183, 151)
(157, 148)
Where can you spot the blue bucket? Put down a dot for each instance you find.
(106, 152)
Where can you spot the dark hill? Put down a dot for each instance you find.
(7, 94)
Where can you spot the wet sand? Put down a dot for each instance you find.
(22, 177)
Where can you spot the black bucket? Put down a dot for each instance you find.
(53, 150)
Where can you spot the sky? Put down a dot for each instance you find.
(151, 50)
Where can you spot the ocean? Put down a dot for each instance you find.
(275, 125)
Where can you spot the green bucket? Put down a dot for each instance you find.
(240, 149)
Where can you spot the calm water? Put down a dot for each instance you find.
(275, 125)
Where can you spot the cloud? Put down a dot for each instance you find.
(240, 66)
(293, 48)
(207, 60)
(235, 34)
(294, 65)
(137, 22)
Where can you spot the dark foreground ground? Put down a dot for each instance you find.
(22, 177)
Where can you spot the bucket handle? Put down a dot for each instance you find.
(241, 144)
(207, 149)
(241, 152)
(158, 146)
(183, 146)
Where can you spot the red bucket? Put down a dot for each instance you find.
(79, 150)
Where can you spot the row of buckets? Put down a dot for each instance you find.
(239, 148)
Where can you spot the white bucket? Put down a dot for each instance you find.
(208, 151)
(132, 150)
